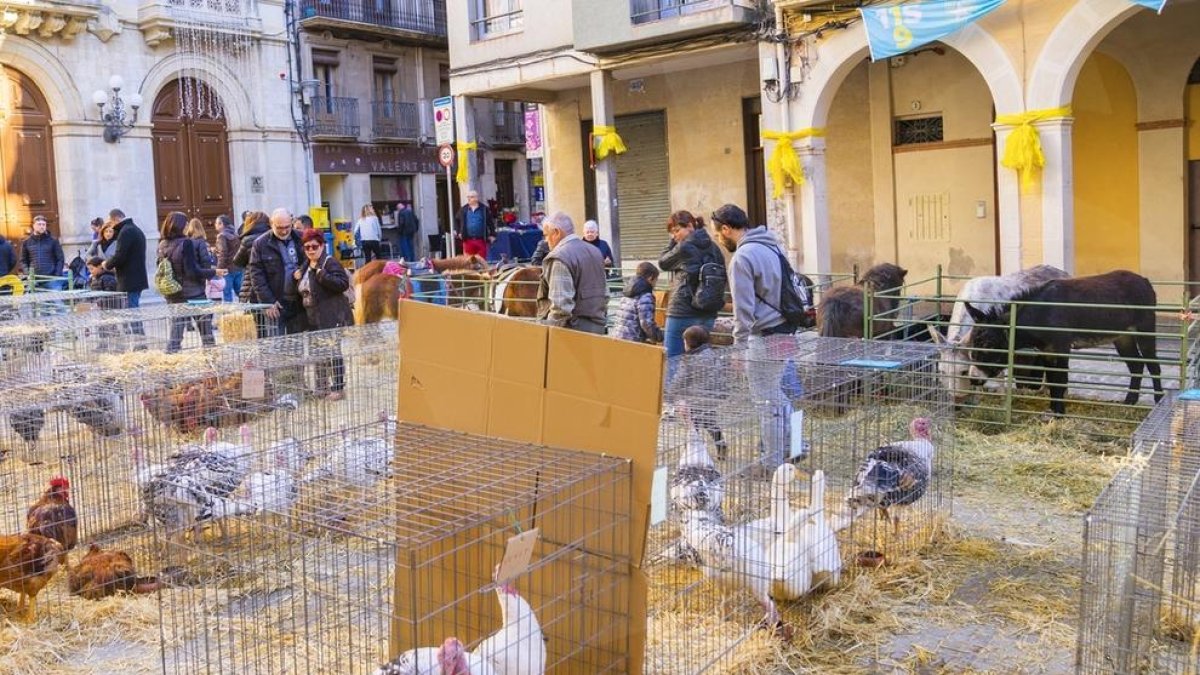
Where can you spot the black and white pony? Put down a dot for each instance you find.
(1059, 326)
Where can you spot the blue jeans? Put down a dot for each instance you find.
(133, 300)
(673, 335)
(406, 248)
(233, 285)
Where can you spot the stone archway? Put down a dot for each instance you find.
(26, 156)
(191, 156)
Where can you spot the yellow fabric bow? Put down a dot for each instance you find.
(1023, 149)
(607, 141)
(784, 162)
(463, 148)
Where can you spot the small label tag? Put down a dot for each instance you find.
(658, 496)
(81, 307)
(254, 384)
(517, 555)
(797, 449)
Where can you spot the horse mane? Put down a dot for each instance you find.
(884, 276)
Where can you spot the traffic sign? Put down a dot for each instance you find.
(443, 119)
(446, 155)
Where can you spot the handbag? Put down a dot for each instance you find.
(214, 288)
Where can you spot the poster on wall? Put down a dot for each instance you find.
(533, 133)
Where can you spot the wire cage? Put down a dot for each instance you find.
(387, 539)
(1140, 602)
(809, 458)
(48, 303)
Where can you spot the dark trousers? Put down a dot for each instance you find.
(407, 250)
(203, 324)
(331, 374)
(370, 249)
(133, 300)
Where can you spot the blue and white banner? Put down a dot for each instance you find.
(895, 29)
(1156, 5)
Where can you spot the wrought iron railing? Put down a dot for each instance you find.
(507, 128)
(395, 119)
(645, 11)
(418, 16)
(333, 116)
(499, 17)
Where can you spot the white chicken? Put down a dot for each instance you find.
(824, 557)
(361, 461)
(697, 483)
(738, 562)
(518, 648)
(788, 554)
(896, 474)
(449, 659)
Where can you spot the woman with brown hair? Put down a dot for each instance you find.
(690, 249)
(180, 251)
(322, 284)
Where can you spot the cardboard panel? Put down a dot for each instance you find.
(515, 411)
(519, 352)
(460, 339)
(438, 396)
(605, 370)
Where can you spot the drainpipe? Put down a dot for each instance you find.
(785, 119)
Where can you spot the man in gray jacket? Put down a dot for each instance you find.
(573, 292)
(756, 282)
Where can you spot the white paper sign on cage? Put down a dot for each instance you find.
(517, 555)
(658, 496)
(254, 384)
(797, 421)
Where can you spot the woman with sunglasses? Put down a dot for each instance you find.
(322, 284)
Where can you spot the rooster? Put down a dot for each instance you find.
(518, 648)
(449, 659)
(896, 474)
(53, 516)
(27, 563)
(215, 401)
(101, 573)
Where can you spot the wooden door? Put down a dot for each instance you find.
(191, 158)
(26, 156)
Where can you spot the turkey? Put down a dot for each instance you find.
(275, 490)
(697, 484)
(518, 648)
(449, 659)
(359, 461)
(893, 475)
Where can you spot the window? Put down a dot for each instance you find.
(325, 64)
(914, 130)
(385, 80)
(645, 11)
(443, 79)
(495, 17)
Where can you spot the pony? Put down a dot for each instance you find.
(467, 288)
(378, 287)
(514, 291)
(471, 262)
(988, 295)
(841, 311)
(1056, 328)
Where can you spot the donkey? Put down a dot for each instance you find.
(988, 295)
(1054, 329)
(841, 310)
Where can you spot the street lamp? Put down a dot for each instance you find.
(117, 121)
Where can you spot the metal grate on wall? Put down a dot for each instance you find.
(914, 130)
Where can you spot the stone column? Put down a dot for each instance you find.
(464, 131)
(1058, 194)
(1008, 206)
(606, 170)
(813, 209)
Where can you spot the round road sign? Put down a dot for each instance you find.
(446, 155)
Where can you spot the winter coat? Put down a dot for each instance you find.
(635, 316)
(101, 248)
(227, 249)
(271, 271)
(8, 257)
(408, 222)
(540, 253)
(755, 276)
(128, 259)
(460, 226)
(368, 228)
(186, 265)
(242, 259)
(605, 250)
(41, 254)
(683, 260)
(325, 300)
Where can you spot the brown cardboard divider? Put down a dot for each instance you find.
(483, 373)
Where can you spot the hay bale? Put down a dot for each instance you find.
(239, 327)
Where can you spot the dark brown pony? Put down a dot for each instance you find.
(467, 288)
(473, 263)
(514, 291)
(1055, 329)
(841, 310)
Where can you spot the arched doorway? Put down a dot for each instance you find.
(26, 156)
(191, 156)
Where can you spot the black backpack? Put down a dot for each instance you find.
(708, 294)
(792, 293)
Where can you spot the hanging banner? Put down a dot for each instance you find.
(895, 29)
(533, 133)
(1156, 5)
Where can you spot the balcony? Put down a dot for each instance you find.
(332, 117)
(500, 18)
(507, 128)
(416, 21)
(614, 25)
(211, 23)
(395, 121)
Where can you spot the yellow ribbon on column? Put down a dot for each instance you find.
(784, 162)
(1023, 149)
(464, 147)
(607, 141)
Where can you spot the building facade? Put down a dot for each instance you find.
(213, 131)
(904, 160)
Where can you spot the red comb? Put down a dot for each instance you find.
(60, 482)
